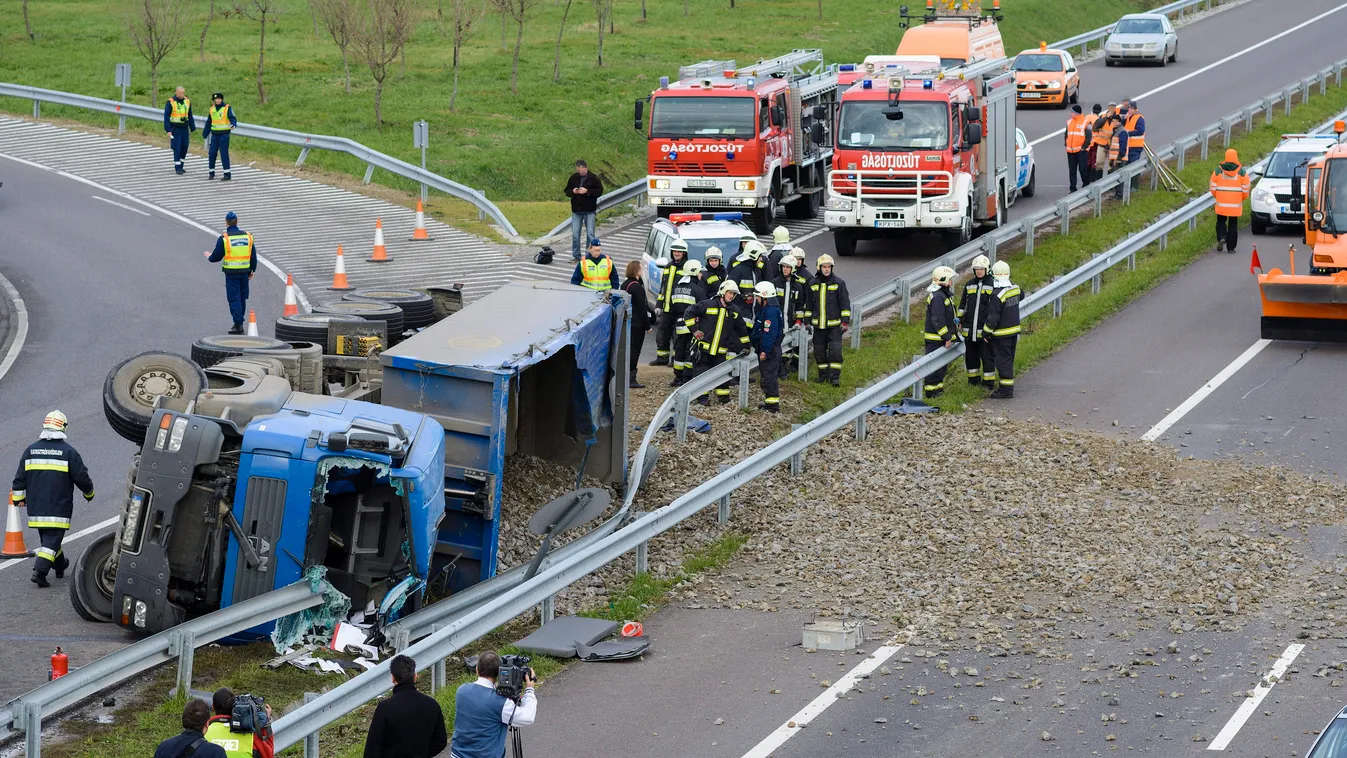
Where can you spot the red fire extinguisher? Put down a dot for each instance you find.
(60, 665)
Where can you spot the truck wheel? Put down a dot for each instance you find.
(803, 209)
(387, 312)
(308, 327)
(1028, 190)
(957, 238)
(844, 242)
(418, 310)
(132, 385)
(763, 218)
(209, 351)
(95, 578)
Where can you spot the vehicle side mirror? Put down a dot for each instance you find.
(640, 109)
(972, 134)
(778, 115)
(819, 112)
(1071, 70)
(816, 133)
(972, 113)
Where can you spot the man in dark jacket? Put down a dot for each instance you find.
(584, 189)
(941, 327)
(642, 318)
(972, 313)
(766, 339)
(50, 468)
(793, 296)
(688, 291)
(1002, 330)
(408, 724)
(236, 252)
(192, 742)
(829, 313)
(220, 123)
(714, 272)
(671, 269)
(719, 329)
(179, 125)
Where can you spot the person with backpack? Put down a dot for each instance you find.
(192, 742)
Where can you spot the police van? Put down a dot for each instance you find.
(700, 231)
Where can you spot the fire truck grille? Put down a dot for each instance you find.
(701, 202)
(683, 168)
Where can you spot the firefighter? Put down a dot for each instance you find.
(972, 313)
(793, 296)
(749, 269)
(941, 328)
(1230, 186)
(745, 238)
(1003, 328)
(179, 125)
(236, 252)
(720, 333)
(714, 273)
(48, 470)
(781, 247)
(1078, 136)
(596, 270)
(687, 293)
(829, 312)
(220, 123)
(671, 269)
(766, 339)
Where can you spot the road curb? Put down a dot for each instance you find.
(13, 325)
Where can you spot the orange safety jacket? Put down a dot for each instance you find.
(1103, 134)
(1230, 186)
(1134, 141)
(1075, 133)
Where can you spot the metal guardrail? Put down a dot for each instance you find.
(305, 142)
(26, 712)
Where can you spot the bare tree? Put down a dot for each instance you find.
(260, 11)
(156, 27)
(382, 30)
(339, 18)
(603, 9)
(556, 61)
(465, 17)
(313, 16)
(28, 25)
(210, 16)
(518, 11)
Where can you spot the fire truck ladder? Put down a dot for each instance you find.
(797, 64)
(707, 69)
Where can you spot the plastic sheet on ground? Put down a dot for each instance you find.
(906, 406)
(318, 621)
(698, 425)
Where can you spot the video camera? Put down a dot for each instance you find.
(249, 715)
(510, 681)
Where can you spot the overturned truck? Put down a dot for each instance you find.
(391, 479)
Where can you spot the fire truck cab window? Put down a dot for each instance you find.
(785, 116)
(764, 116)
(924, 126)
(690, 117)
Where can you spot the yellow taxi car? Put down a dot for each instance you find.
(1046, 77)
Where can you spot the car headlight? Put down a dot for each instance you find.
(1262, 196)
(1055, 83)
(1113, 45)
(139, 618)
(945, 206)
(748, 201)
(175, 437)
(1152, 45)
(745, 185)
(659, 184)
(839, 204)
(653, 200)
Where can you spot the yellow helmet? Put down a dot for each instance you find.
(824, 260)
(55, 422)
(943, 275)
(781, 235)
(1000, 268)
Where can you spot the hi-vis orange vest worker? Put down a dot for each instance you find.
(1103, 129)
(1075, 133)
(1230, 186)
(1134, 141)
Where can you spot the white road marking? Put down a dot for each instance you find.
(21, 316)
(299, 293)
(820, 704)
(100, 526)
(119, 205)
(1220, 62)
(1206, 389)
(1250, 705)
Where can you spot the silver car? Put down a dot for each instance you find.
(1332, 741)
(1142, 37)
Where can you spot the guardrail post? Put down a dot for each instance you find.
(907, 300)
(723, 512)
(1290, 93)
(989, 245)
(184, 646)
(856, 315)
(802, 370)
(1095, 282)
(1029, 230)
(1164, 241)
(1057, 304)
(918, 388)
(1267, 110)
(1226, 126)
(743, 370)
(860, 420)
(1125, 182)
(1180, 156)
(1155, 179)
(1132, 262)
(303, 153)
(797, 460)
(1064, 212)
(1192, 224)
(1097, 195)
(32, 728)
(643, 558)
(1202, 151)
(681, 413)
(37, 109)
(1323, 82)
(548, 610)
(311, 741)
(369, 173)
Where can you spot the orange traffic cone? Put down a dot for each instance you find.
(339, 278)
(14, 547)
(380, 252)
(252, 323)
(291, 304)
(420, 233)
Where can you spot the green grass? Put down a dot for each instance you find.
(889, 345)
(515, 147)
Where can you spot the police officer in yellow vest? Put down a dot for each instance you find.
(596, 270)
(220, 123)
(236, 253)
(179, 125)
(258, 743)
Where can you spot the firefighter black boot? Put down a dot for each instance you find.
(40, 580)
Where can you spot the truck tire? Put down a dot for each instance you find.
(387, 312)
(763, 218)
(307, 327)
(310, 367)
(418, 309)
(93, 580)
(844, 242)
(132, 385)
(957, 238)
(209, 351)
(805, 208)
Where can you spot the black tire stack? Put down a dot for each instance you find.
(308, 327)
(370, 311)
(208, 351)
(132, 386)
(418, 309)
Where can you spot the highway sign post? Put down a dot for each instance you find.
(421, 139)
(123, 80)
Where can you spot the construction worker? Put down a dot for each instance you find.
(941, 328)
(781, 247)
(1230, 186)
(720, 333)
(766, 340)
(1102, 138)
(179, 125)
(236, 252)
(671, 269)
(596, 270)
(714, 273)
(48, 470)
(220, 123)
(1135, 124)
(829, 312)
(1002, 330)
(1078, 135)
(971, 314)
(688, 291)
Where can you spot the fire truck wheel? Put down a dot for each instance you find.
(803, 208)
(956, 238)
(95, 573)
(844, 242)
(764, 217)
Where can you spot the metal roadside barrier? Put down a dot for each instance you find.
(26, 712)
(305, 142)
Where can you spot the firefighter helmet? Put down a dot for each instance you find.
(781, 235)
(788, 260)
(943, 275)
(55, 422)
(692, 268)
(678, 245)
(982, 262)
(714, 252)
(1000, 268)
(824, 260)
(729, 286)
(747, 236)
(764, 289)
(754, 249)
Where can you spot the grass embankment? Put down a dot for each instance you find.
(518, 148)
(889, 345)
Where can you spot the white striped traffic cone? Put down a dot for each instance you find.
(291, 303)
(339, 282)
(380, 252)
(252, 323)
(420, 233)
(14, 547)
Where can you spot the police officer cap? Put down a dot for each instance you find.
(231, 216)
(218, 94)
(594, 242)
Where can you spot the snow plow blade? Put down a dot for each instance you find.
(1304, 308)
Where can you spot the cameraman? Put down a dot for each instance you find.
(483, 717)
(257, 743)
(192, 742)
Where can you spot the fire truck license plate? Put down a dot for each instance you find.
(701, 182)
(899, 224)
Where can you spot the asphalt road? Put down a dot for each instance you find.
(102, 280)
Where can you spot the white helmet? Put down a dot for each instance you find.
(824, 260)
(714, 252)
(692, 268)
(729, 286)
(982, 262)
(55, 422)
(943, 275)
(781, 235)
(754, 249)
(764, 289)
(678, 245)
(799, 254)
(1000, 268)
(788, 260)
(747, 236)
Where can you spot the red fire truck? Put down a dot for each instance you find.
(930, 150)
(751, 139)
